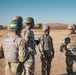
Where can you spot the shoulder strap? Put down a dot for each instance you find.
(15, 38)
(10, 39)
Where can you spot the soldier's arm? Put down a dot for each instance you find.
(22, 33)
(52, 48)
(34, 42)
(64, 43)
(38, 41)
(40, 47)
(22, 51)
(1, 51)
(32, 34)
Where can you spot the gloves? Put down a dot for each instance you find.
(61, 48)
(37, 42)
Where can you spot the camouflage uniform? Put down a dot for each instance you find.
(47, 51)
(69, 44)
(14, 51)
(28, 35)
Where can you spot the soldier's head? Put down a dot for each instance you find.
(29, 21)
(15, 25)
(46, 29)
(71, 28)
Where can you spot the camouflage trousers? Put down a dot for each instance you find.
(29, 66)
(46, 64)
(69, 64)
(13, 68)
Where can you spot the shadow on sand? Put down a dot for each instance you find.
(74, 73)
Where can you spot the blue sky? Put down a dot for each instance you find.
(43, 11)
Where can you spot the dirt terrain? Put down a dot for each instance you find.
(58, 63)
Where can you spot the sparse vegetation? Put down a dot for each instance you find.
(39, 26)
(1, 27)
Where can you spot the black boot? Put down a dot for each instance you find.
(70, 73)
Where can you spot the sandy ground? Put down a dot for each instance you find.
(58, 63)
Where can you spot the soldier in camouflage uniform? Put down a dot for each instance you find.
(13, 47)
(69, 45)
(28, 35)
(46, 49)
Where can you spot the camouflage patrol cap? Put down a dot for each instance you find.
(19, 18)
(46, 28)
(29, 20)
(71, 26)
(15, 24)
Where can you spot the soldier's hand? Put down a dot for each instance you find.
(37, 42)
(43, 56)
(61, 48)
(52, 55)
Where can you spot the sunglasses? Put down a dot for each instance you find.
(28, 23)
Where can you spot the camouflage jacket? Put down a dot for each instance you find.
(69, 44)
(46, 44)
(14, 46)
(28, 35)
